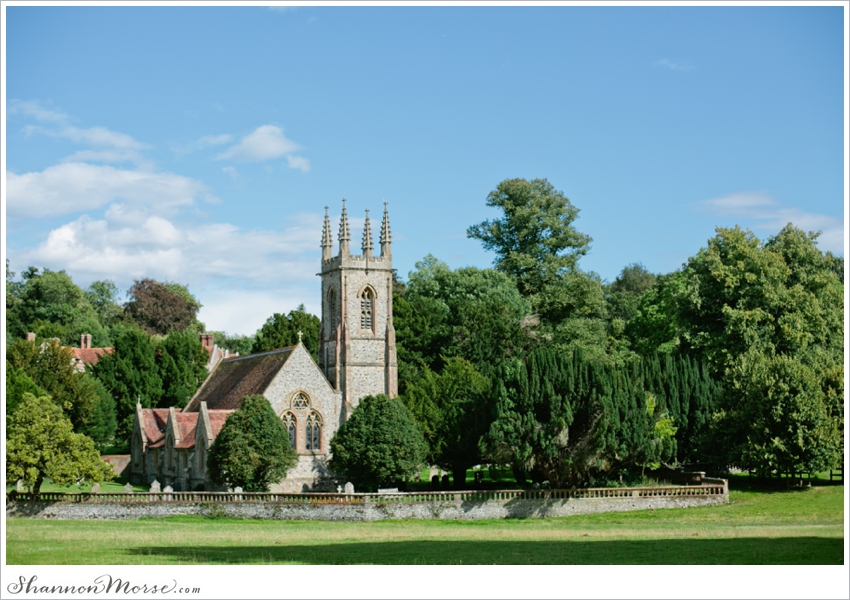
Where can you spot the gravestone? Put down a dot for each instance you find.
(435, 482)
(128, 489)
(167, 489)
(95, 488)
(446, 483)
(388, 490)
(155, 487)
(19, 486)
(339, 489)
(349, 488)
(237, 490)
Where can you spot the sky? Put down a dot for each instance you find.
(201, 144)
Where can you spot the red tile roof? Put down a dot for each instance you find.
(155, 422)
(186, 423)
(217, 419)
(237, 377)
(90, 356)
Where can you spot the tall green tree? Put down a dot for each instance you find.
(454, 412)
(252, 449)
(380, 444)
(130, 375)
(19, 383)
(625, 292)
(282, 330)
(103, 297)
(181, 362)
(768, 318)
(41, 443)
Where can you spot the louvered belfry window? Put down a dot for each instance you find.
(367, 307)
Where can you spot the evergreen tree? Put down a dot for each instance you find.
(252, 449)
(380, 444)
(181, 362)
(19, 383)
(280, 331)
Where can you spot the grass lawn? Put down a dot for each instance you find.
(757, 527)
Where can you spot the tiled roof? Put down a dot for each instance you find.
(90, 356)
(186, 423)
(237, 377)
(155, 422)
(217, 419)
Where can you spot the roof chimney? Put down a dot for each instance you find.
(85, 340)
(207, 341)
(30, 337)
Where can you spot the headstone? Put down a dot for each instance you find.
(95, 488)
(128, 489)
(446, 483)
(349, 488)
(19, 486)
(155, 487)
(237, 490)
(388, 490)
(435, 482)
(167, 489)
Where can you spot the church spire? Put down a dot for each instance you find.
(344, 234)
(386, 236)
(367, 237)
(327, 240)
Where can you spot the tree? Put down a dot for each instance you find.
(653, 327)
(454, 412)
(239, 344)
(49, 366)
(130, 375)
(158, 309)
(282, 330)
(19, 383)
(41, 443)
(769, 321)
(103, 296)
(624, 294)
(181, 362)
(380, 444)
(252, 449)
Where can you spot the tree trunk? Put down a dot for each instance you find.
(36, 488)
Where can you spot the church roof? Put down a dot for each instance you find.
(237, 377)
(156, 420)
(217, 419)
(186, 423)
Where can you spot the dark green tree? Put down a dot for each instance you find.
(624, 294)
(19, 383)
(130, 375)
(252, 449)
(239, 344)
(282, 330)
(181, 362)
(41, 443)
(653, 328)
(380, 444)
(454, 411)
(103, 296)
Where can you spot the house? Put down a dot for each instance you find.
(357, 357)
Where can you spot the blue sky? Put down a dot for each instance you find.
(201, 144)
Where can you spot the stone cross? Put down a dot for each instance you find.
(155, 487)
(95, 488)
(299, 335)
(349, 488)
(339, 489)
(128, 489)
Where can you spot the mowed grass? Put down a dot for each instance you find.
(757, 527)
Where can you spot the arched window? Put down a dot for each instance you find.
(332, 308)
(290, 423)
(202, 463)
(300, 401)
(367, 309)
(314, 432)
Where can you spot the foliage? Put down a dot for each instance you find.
(239, 344)
(130, 375)
(103, 296)
(282, 330)
(181, 362)
(18, 383)
(49, 366)
(160, 308)
(469, 312)
(653, 327)
(623, 295)
(40, 442)
(769, 320)
(252, 449)
(380, 444)
(453, 411)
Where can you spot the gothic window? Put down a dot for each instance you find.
(333, 310)
(300, 401)
(202, 465)
(367, 309)
(314, 432)
(289, 423)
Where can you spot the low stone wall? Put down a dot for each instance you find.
(367, 507)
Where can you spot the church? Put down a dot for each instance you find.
(357, 358)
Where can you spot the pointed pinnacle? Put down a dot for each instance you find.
(327, 238)
(344, 234)
(386, 236)
(367, 234)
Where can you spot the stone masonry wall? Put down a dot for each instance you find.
(447, 507)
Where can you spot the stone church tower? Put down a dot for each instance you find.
(357, 350)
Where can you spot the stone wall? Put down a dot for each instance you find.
(373, 507)
(120, 463)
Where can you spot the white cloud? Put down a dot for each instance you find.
(230, 170)
(202, 142)
(264, 143)
(298, 162)
(101, 136)
(770, 215)
(674, 65)
(108, 156)
(78, 187)
(34, 109)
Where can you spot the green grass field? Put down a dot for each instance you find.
(757, 527)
